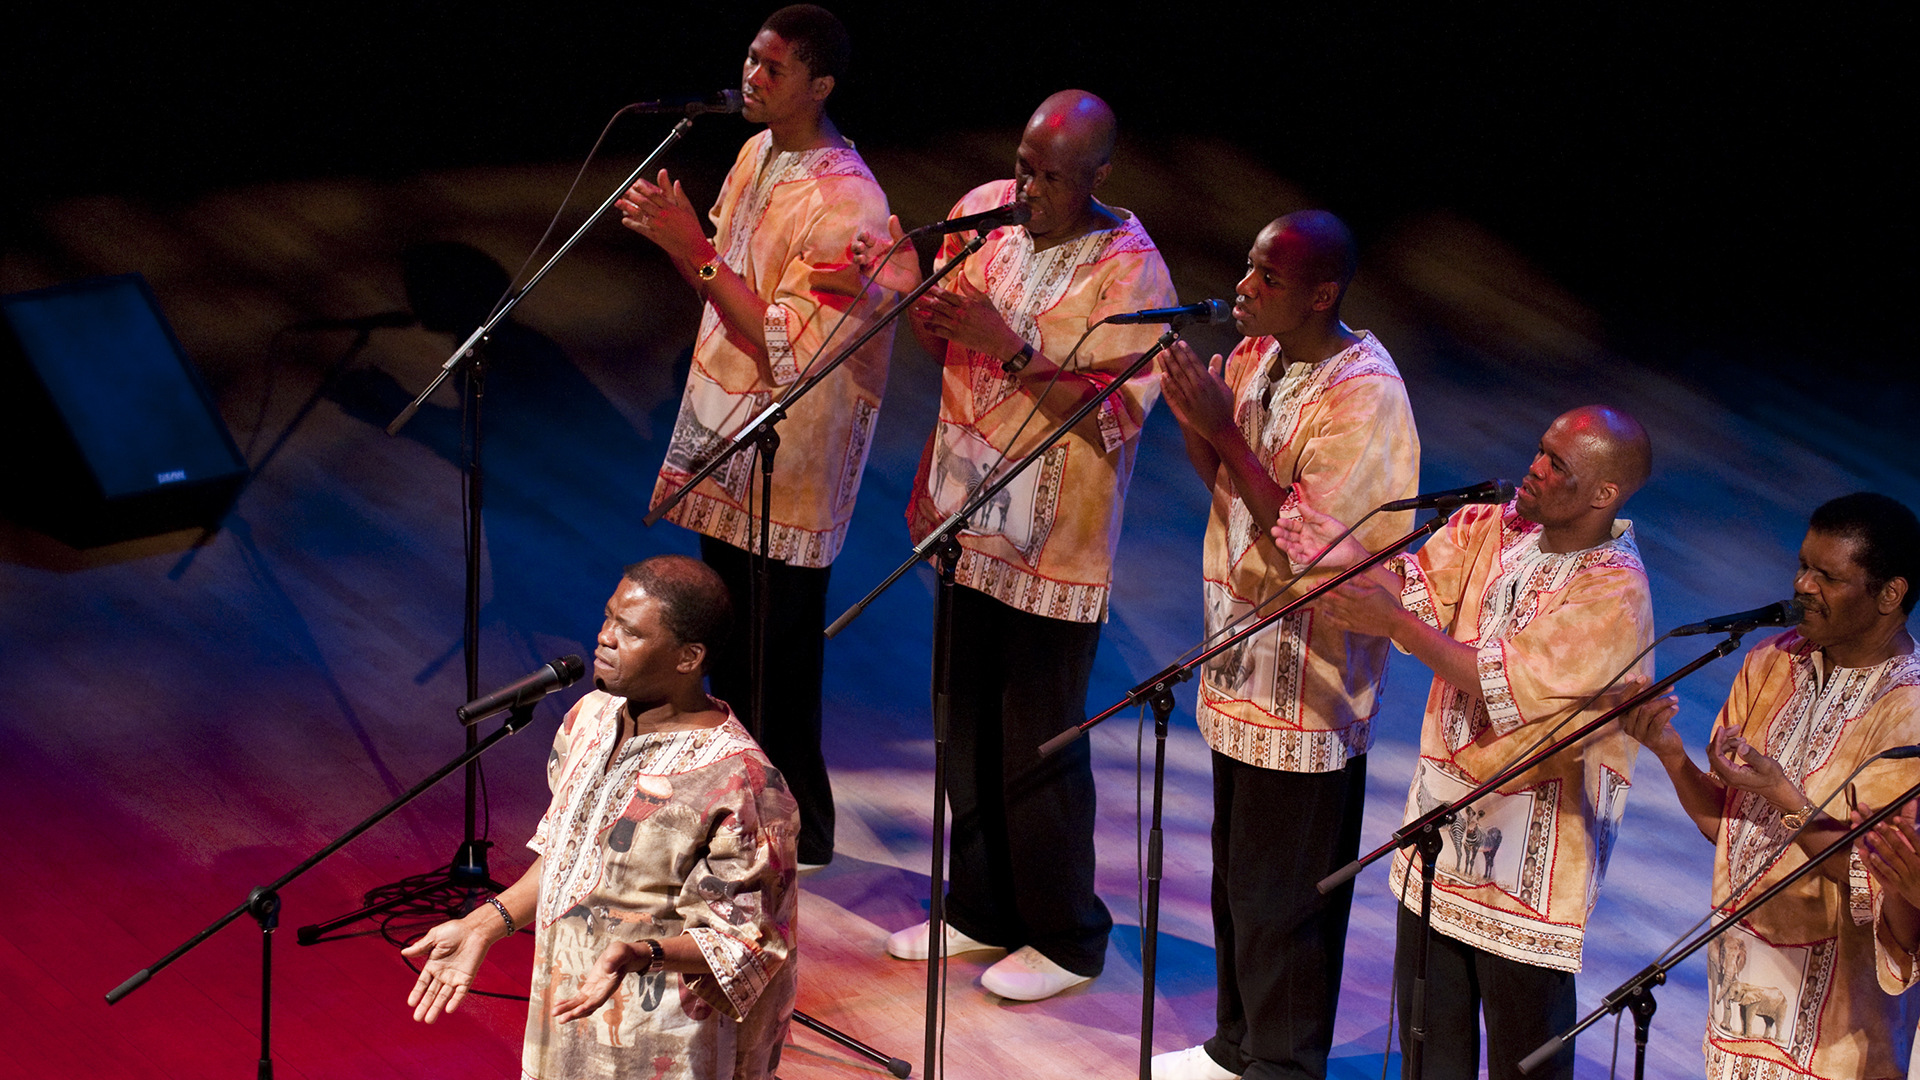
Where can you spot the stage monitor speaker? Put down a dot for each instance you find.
(108, 432)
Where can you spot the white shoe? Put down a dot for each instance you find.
(1026, 975)
(911, 943)
(1193, 1063)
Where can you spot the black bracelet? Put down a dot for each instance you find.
(502, 909)
(656, 956)
(1016, 363)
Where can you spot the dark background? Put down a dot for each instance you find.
(1723, 189)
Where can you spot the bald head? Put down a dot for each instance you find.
(1615, 446)
(1319, 245)
(1078, 126)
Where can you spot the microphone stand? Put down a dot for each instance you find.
(1424, 834)
(263, 902)
(1637, 993)
(943, 545)
(760, 433)
(1158, 692)
(467, 874)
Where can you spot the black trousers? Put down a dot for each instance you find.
(1278, 943)
(1022, 851)
(1525, 1005)
(796, 657)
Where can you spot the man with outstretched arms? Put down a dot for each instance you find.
(1524, 612)
(781, 295)
(1813, 984)
(1036, 562)
(662, 903)
(1303, 409)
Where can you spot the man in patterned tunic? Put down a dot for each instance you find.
(1035, 566)
(1523, 612)
(1304, 408)
(663, 899)
(1802, 990)
(781, 295)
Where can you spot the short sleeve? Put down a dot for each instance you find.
(739, 901)
(1568, 651)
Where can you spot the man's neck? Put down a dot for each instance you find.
(687, 710)
(1316, 342)
(812, 131)
(1563, 539)
(1092, 216)
(1869, 649)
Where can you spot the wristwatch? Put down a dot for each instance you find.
(1798, 819)
(656, 956)
(709, 270)
(1014, 364)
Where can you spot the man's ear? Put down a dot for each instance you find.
(1607, 494)
(822, 87)
(1100, 174)
(1326, 295)
(1891, 595)
(693, 656)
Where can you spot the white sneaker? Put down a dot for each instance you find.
(1193, 1063)
(911, 943)
(1026, 975)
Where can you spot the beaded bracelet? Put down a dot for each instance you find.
(502, 909)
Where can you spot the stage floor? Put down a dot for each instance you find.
(181, 723)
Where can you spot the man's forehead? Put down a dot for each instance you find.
(1830, 550)
(770, 46)
(629, 600)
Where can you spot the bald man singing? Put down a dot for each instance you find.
(1035, 565)
(1523, 612)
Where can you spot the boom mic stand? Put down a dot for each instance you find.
(1423, 834)
(1637, 993)
(263, 902)
(943, 545)
(1158, 692)
(760, 433)
(453, 888)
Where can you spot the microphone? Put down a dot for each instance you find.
(1899, 752)
(386, 320)
(1486, 491)
(1782, 613)
(726, 101)
(1211, 312)
(1014, 213)
(557, 675)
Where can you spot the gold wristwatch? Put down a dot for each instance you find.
(1799, 818)
(709, 270)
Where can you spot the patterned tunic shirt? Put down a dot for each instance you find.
(677, 832)
(1519, 870)
(1792, 991)
(786, 223)
(1295, 696)
(1045, 544)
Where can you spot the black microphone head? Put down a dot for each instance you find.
(1218, 312)
(1792, 612)
(726, 101)
(1014, 213)
(570, 669)
(1503, 491)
